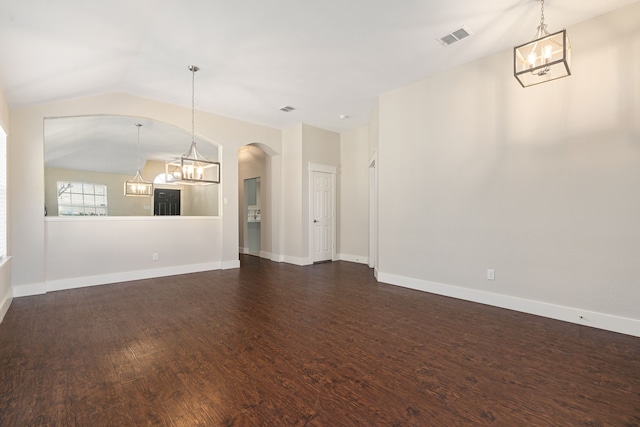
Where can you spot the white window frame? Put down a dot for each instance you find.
(83, 202)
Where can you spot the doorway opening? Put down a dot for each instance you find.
(256, 229)
(166, 202)
(252, 198)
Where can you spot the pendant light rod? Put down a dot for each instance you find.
(542, 28)
(138, 186)
(193, 69)
(138, 148)
(192, 168)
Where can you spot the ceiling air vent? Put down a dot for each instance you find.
(454, 36)
(287, 108)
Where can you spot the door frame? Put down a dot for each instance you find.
(373, 210)
(154, 199)
(246, 244)
(333, 170)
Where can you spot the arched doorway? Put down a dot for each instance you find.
(256, 214)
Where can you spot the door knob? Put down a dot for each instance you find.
(315, 220)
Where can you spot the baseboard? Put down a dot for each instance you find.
(277, 258)
(353, 258)
(243, 250)
(29, 290)
(81, 282)
(265, 255)
(296, 260)
(5, 285)
(228, 265)
(6, 303)
(558, 312)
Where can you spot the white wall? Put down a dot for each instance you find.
(354, 196)
(540, 184)
(30, 244)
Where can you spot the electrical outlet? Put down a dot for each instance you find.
(491, 274)
(155, 256)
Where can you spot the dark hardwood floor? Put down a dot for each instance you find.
(274, 344)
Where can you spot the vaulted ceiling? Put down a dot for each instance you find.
(326, 58)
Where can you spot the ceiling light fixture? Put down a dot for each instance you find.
(546, 58)
(193, 168)
(138, 186)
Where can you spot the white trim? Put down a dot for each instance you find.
(104, 279)
(373, 209)
(131, 218)
(5, 277)
(373, 157)
(297, 261)
(568, 314)
(333, 170)
(265, 254)
(319, 167)
(277, 258)
(29, 290)
(353, 258)
(6, 303)
(228, 265)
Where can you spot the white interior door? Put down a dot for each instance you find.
(322, 216)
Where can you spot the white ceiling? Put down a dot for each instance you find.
(324, 57)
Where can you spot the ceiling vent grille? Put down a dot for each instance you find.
(454, 36)
(287, 108)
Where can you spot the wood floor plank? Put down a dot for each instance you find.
(324, 345)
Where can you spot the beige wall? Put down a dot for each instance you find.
(540, 184)
(117, 203)
(353, 243)
(6, 291)
(5, 117)
(374, 199)
(292, 195)
(374, 131)
(252, 163)
(212, 242)
(321, 147)
(195, 200)
(302, 144)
